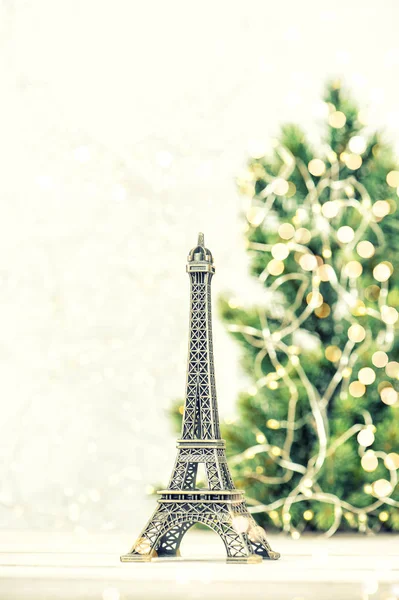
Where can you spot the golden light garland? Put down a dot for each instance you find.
(344, 194)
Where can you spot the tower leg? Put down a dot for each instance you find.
(244, 540)
(169, 543)
(145, 547)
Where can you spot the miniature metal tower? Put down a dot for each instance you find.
(219, 506)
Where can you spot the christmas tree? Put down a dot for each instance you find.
(316, 440)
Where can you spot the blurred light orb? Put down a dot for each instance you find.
(323, 311)
(272, 424)
(315, 299)
(280, 186)
(326, 272)
(357, 144)
(372, 292)
(382, 488)
(391, 461)
(366, 375)
(383, 516)
(142, 546)
(392, 369)
(240, 524)
(369, 461)
(330, 209)
(381, 209)
(303, 236)
(286, 231)
(365, 249)
(255, 215)
(389, 396)
(316, 167)
(308, 515)
(353, 269)
(381, 272)
(308, 262)
(353, 161)
(280, 251)
(379, 359)
(333, 353)
(359, 308)
(357, 389)
(337, 119)
(260, 438)
(345, 234)
(365, 437)
(393, 179)
(291, 189)
(356, 333)
(389, 315)
(275, 267)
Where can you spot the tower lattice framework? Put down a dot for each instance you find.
(219, 506)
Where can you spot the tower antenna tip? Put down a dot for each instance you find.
(201, 240)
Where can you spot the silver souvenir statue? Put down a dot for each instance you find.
(219, 506)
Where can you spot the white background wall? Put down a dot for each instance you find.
(123, 125)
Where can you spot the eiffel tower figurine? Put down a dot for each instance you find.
(220, 506)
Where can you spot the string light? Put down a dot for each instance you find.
(366, 375)
(389, 396)
(393, 179)
(357, 144)
(315, 227)
(379, 359)
(353, 161)
(392, 369)
(356, 333)
(365, 249)
(369, 462)
(280, 187)
(337, 119)
(365, 437)
(316, 167)
(303, 236)
(286, 231)
(382, 488)
(381, 272)
(357, 389)
(391, 461)
(381, 209)
(330, 209)
(255, 215)
(333, 353)
(353, 269)
(308, 262)
(345, 234)
(323, 311)
(275, 267)
(389, 315)
(280, 251)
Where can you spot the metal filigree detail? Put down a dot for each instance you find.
(220, 506)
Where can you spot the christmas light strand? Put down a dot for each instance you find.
(344, 194)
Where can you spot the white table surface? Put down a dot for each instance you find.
(44, 566)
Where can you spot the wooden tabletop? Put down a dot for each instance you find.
(72, 566)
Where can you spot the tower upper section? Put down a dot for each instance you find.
(200, 418)
(200, 258)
